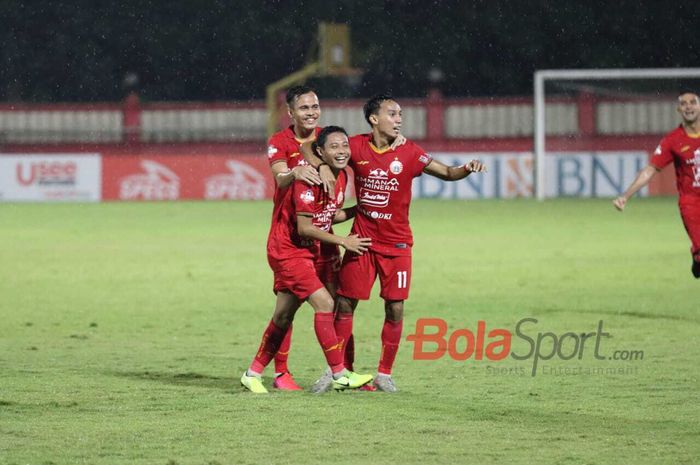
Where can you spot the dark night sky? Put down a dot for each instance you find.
(229, 50)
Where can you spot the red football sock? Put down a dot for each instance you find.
(283, 352)
(271, 340)
(349, 359)
(391, 338)
(343, 329)
(325, 333)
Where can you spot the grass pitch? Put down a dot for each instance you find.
(124, 329)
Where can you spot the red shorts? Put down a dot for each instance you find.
(296, 275)
(327, 270)
(358, 273)
(690, 212)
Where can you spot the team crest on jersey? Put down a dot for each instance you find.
(396, 167)
(307, 196)
(271, 151)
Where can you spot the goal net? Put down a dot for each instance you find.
(595, 129)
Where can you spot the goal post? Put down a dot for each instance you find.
(542, 77)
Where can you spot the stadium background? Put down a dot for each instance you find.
(166, 112)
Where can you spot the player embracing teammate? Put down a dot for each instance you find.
(301, 224)
(383, 180)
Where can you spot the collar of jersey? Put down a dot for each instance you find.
(379, 151)
(294, 135)
(692, 136)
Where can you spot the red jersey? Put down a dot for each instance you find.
(684, 151)
(284, 146)
(383, 180)
(284, 240)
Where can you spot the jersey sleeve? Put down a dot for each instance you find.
(275, 150)
(420, 160)
(304, 197)
(662, 155)
(355, 142)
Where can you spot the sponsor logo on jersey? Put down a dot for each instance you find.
(294, 155)
(307, 196)
(378, 173)
(362, 162)
(396, 167)
(684, 148)
(375, 215)
(271, 151)
(241, 182)
(374, 198)
(157, 183)
(380, 184)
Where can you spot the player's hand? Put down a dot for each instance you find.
(620, 203)
(475, 166)
(327, 178)
(357, 245)
(398, 142)
(307, 174)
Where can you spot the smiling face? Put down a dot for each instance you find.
(387, 120)
(335, 150)
(305, 112)
(689, 107)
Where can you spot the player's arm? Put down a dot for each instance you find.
(642, 179)
(352, 243)
(284, 176)
(344, 214)
(453, 173)
(324, 171)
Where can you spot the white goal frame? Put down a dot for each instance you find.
(542, 76)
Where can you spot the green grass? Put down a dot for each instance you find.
(124, 329)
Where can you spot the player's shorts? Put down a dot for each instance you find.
(690, 213)
(358, 273)
(327, 270)
(296, 275)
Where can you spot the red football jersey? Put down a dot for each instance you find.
(284, 146)
(284, 240)
(383, 180)
(684, 151)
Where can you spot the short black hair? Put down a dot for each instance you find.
(372, 105)
(327, 131)
(687, 90)
(295, 92)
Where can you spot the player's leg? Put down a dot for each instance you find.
(294, 280)
(690, 213)
(285, 308)
(395, 278)
(322, 303)
(356, 278)
(343, 327)
(344, 311)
